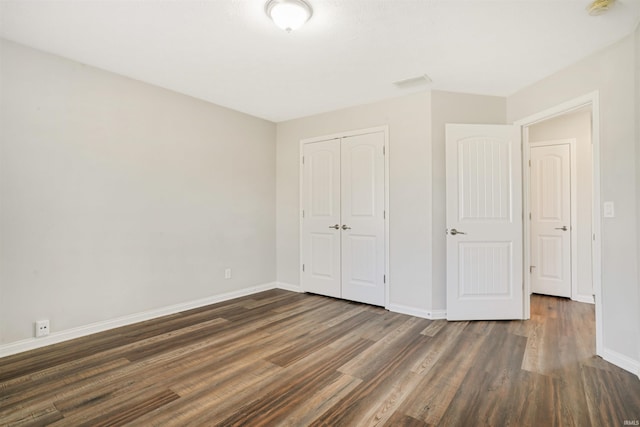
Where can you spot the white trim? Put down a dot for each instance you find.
(81, 331)
(437, 314)
(300, 210)
(596, 221)
(289, 287)
(588, 299)
(387, 214)
(526, 230)
(345, 134)
(417, 312)
(561, 109)
(622, 361)
(573, 226)
(591, 99)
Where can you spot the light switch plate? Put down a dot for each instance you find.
(609, 210)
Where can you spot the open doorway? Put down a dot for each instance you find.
(568, 130)
(560, 171)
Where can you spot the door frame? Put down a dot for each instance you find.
(573, 175)
(340, 135)
(589, 100)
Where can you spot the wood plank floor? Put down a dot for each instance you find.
(281, 358)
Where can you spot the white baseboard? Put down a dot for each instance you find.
(622, 361)
(584, 298)
(417, 312)
(288, 287)
(438, 314)
(81, 331)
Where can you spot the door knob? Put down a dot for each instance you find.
(344, 227)
(453, 232)
(563, 228)
(337, 227)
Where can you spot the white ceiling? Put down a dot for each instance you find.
(351, 51)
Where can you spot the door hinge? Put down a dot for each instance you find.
(384, 278)
(384, 214)
(531, 267)
(383, 150)
(303, 268)
(303, 160)
(529, 215)
(529, 163)
(302, 213)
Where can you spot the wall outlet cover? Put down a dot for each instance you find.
(42, 328)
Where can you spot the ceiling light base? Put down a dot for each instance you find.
(288, 14)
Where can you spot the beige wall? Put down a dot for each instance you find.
(417, 180)
(448, 107)
(410, 181)
(576, 125)
(612, 73)
(120, 197)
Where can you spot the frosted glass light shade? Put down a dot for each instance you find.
(288, 14)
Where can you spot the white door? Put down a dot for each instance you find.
(363, 256)
(484, 222)
(343, 224)
(551, 220)
(321, 246)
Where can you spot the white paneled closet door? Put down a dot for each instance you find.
(321, 246)
(343, 223)
(363, 244)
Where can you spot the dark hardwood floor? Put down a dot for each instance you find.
(281, 358)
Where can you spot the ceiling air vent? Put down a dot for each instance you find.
(413, 82)
(598, 7)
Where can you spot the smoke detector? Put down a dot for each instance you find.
(598, 7)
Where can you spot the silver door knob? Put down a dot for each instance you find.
(337, 227)
(453, 232)
(563, 228)
(344, 227)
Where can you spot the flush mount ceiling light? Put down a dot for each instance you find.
(288, 14)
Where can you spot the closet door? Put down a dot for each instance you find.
(321, 230)
(363, 256)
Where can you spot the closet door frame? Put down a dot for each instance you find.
(378, 129)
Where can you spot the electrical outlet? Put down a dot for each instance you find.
(227, 273)
(42, 328)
